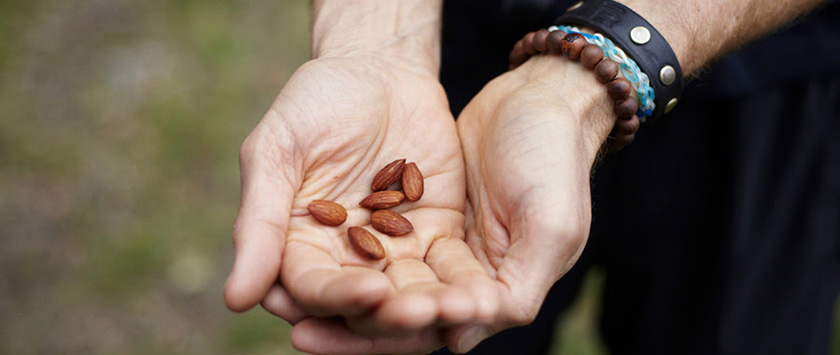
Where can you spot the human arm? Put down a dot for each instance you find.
(405, 33)
(552, 116)
(369, 95)
(701, 31)
(498, 208)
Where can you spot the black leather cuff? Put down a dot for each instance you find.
(639, 40)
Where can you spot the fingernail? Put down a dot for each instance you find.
(471, 338)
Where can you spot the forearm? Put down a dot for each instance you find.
(701, 31)
(405, 31)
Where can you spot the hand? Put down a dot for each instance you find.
(334, 125)
(530, 138)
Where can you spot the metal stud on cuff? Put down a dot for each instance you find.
(667, 75)
(671, 104)
(640, 35)
(639, 40)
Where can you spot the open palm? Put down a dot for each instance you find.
(529, 140)
(334, 125)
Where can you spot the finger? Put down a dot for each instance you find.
(454, 263)
(259, 232)
(323, 287)
(404, 313)
(413, 306)
(331, 336)
(279, 303)
(408, 272)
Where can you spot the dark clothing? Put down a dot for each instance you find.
(719, 228)
(479, 34)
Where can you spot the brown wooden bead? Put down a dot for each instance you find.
(627, 126)
(517, 55)
(591, 55)
(554, 42)
(606, 70)
(540, 41)
(528, 43)
(627, 108)
(618, 143)
(517, 48)
(522, 57)
(619, 89)
(572, 44)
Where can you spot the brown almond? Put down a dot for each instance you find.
(412, 182)
(365, 243)
(383, 199)
(388, 175)
(327, 212)
(390, 223)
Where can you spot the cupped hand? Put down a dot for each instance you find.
(530, 139)
(333, 126)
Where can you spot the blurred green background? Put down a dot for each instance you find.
(120, 124)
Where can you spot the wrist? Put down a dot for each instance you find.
(669, 21)
(583, 102)
(701, 31)
(405, 33)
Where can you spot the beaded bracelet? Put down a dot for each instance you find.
(639, 40)
(629, 68)
(575, 46)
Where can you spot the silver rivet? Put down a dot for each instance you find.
(575, 6)
(640, 35)
(670, 105)
(667, 75)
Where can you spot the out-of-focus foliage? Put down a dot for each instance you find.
(120, 124)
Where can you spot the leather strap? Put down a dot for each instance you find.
(639, 40)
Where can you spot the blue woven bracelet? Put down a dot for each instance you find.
(639, 40)
(629, 68)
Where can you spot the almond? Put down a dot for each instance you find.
(365, 243)
(390, 223)
(327, 212)
(382, 199)
(412, 182)
(388, 175)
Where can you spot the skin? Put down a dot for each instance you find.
(507, 208)
(338, 120)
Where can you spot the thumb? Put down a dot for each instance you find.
(259, 233)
